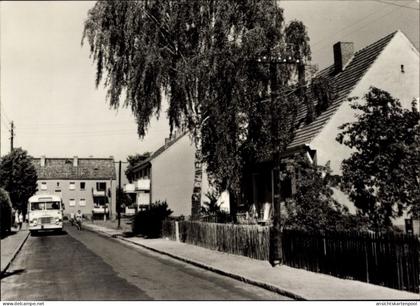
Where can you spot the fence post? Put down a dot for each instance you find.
(176, 231)
(366, 257)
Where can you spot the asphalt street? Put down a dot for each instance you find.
(81, 265)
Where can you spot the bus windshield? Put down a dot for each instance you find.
(45, 205)
(52, 205)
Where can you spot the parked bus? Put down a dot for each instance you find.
(45, 213)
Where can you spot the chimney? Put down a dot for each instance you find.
(75, 161)
(43, 161)
(343, 52)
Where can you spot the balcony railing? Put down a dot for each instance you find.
(130, 188)
(100, 210)
(98, 193)
(143, 184)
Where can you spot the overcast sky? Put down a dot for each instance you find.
(47, 77)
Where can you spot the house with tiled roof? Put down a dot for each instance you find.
(391, 64)
(168, 175)
(86, 184)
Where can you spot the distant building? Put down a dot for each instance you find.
(88, 184)
(168, 175)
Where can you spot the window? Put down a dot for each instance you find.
(52, 205)
(44, 186)
(101, 186)
(72, 185)
(82, 185)
(82, 202)
(58, 184)
(72, 202)
(37, 206)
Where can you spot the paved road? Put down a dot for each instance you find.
(81, 265)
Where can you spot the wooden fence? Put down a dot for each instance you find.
(385, 259)
(247, 240)
(389, 260)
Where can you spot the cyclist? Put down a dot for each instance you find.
(79, 217)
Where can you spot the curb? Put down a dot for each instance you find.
(244, 279)
(15, 254)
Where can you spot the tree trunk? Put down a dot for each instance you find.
(196, 196)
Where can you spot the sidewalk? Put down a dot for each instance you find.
(295, 283)
(11, 245)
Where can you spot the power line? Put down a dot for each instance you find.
(3, 114)
(347, 28)
(395, 4)
(5, 119)
(72, 124)
(364, 25)
(6, 125)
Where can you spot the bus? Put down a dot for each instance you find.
(45, 213)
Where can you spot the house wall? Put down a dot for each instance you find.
(385, 73)
(172, 176)
(63, 190)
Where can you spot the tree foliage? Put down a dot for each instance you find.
(313, 208)
(382, 176)
(133, 160)
(202, 56)
(123, 199)
(18, 177)
(5, 212)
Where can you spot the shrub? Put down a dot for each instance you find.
(149, 222)
(6, 211)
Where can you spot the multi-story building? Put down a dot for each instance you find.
(168, 175)
(85, 184)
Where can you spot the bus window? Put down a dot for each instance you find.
(37, 206)
(52, 205)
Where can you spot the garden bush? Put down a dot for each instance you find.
(148, 222)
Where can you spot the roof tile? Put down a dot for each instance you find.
(344, 82)
(87, 169)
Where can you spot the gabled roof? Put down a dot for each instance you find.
(87, 169)
(343, 82)
(168, 143)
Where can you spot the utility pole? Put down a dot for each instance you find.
(276, 253)
(12, 134)
(119, 196)
(119, 193)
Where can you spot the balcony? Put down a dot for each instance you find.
(99, 193)
(130, 188)
(143, 198)
(98, 210)
(143, 184)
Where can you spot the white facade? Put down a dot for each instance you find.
(385, 73)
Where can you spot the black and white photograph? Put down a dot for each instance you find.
(210, 151)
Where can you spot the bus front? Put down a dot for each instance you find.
(45, 213)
